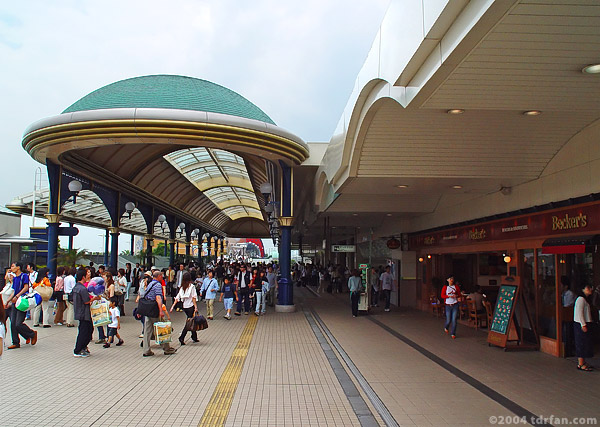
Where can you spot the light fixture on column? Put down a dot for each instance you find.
(266, 189)
(75, 187)
(161, 222)
(181, 228)
(129, 207)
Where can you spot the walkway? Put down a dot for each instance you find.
(291, 374)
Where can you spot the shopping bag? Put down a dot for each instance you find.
(45, 292)
(22, 303)
(100, 313)
(162, 332)
(35, 299)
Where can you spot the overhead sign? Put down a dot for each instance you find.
(343, 248)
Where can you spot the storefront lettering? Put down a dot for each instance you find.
(429, 240)
(569, 222)
(515, 228)
(477, 234)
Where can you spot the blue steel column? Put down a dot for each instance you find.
(54, 180)
(149, 238)
(286, 292)
(106, 242)
(114, 246)
(71, 239)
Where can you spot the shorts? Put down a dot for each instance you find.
(112, 331)
(228, 302)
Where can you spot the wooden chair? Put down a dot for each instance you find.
(489, 312)
(475, 317)
(436, 306)
(463, 309)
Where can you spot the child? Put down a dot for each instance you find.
(228, 292)
(115, 325)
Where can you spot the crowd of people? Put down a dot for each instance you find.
(240, 287)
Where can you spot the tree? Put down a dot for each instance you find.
(160, 250)
(69, 257)
(126, 252)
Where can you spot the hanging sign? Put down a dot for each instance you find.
(343, 248)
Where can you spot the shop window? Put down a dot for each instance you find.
(546, 271)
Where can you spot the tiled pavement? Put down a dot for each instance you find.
(286, 378)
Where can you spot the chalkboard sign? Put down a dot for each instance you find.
(504, 308)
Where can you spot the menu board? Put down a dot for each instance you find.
(504, 307)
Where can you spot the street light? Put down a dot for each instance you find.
(129, 207)
(75, 187)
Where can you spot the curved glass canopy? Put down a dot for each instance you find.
(222, 176)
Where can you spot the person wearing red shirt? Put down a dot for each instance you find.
(451, 294)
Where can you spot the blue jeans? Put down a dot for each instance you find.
(451, 315)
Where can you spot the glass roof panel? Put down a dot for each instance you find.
(201, 164)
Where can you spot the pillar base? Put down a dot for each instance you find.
(285, 308)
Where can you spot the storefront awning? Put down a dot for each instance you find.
(571, 245)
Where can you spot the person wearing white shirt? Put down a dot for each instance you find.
(582, 317)
(568, 296)
(387, 281)
(67, 288)
(188, 296)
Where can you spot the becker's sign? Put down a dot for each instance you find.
(343, 248)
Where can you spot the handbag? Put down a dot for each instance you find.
(148, 307)
(45, 292)
(7, 293)
(196, 323)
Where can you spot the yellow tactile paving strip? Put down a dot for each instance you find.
(218, 407)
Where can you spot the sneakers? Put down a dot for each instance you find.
(47, 326)
(120, 343)
(387, 309)
(34, 339)
(227, 317)
(28, 341)
(245, 313)
(141, 336)
(107, 345)
(256, 313)
(10, 347)
(181, 341)
(453, 337)
(82, 354)
(148, 354)
(446, 331)
(86, 351)
(102, 341)
(70, 325)
(59, 324)
(170, 351)
(210, 318)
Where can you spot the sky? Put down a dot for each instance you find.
(297, 61)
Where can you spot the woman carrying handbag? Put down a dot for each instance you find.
(188, 296)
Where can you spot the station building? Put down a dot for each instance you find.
(470, 145)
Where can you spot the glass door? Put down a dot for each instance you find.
(546, 295)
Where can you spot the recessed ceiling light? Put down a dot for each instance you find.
(455, 111)
(457, 187)
(388, 214)
(402, 186)
(532, 113)
(354, 214)
(591, 69)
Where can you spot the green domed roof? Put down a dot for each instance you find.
(171, 92)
